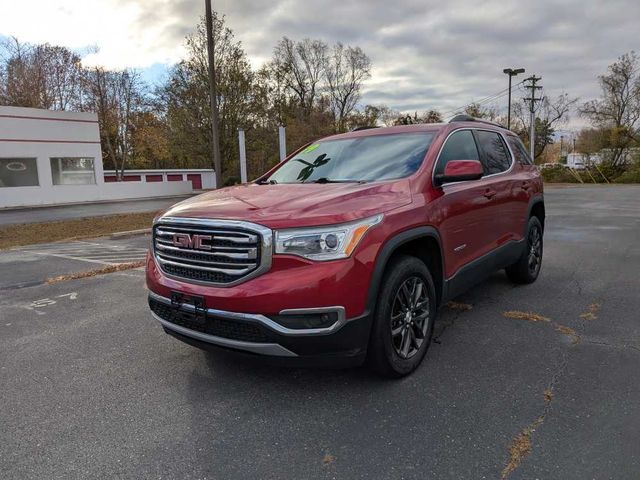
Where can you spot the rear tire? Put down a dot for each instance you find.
(527, 268)
(403, 318)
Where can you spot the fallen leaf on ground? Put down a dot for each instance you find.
(530, 316)
(98, 271)
(328, 459)
(575, 338)
(520, 447)
(459, 306)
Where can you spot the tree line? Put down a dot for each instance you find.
(312, 87)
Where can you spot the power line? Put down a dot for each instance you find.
(484, 100)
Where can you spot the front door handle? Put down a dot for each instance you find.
(526, 185)
(490, 193)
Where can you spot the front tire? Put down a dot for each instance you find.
(403, 319)
(527, 268)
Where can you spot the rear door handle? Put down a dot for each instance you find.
(490, 193)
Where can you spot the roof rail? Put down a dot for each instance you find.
(469, 118)
(364, 128)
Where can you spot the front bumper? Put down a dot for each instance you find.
(344, 342)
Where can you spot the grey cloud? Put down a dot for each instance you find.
(429, 54)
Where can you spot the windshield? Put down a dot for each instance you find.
(370, 158)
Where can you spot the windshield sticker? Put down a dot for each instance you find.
(311, 148)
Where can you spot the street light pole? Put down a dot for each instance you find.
(512, 72)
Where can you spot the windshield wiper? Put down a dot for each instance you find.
(328, 180)
(266, 182)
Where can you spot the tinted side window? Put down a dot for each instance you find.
(495, 155)
(519, 151)
(459, 146)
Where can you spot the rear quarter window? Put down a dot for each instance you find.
(519, 152)
(495, 158)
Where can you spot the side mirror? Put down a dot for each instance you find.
(459, 171)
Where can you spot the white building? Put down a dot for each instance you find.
(51, 157)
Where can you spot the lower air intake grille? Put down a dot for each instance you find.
(211, 325)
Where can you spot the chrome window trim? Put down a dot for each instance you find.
(267, 322)
(266, 245)
(433, 170)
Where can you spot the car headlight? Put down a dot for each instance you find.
(324, 243)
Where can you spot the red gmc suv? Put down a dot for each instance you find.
(345, 251)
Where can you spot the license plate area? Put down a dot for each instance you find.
(189, 307)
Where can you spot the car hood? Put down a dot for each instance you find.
(295, 205)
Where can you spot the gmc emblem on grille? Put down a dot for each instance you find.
(196, 242)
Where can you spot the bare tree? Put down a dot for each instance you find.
(302, 64)
(478, 110)
(62, 73)
(115, 97)
(551, 113)
(347, 69)
(40, 76)
(23, 83)
(432, 116)
(617, 111)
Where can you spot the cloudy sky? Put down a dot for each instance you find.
(425, 53)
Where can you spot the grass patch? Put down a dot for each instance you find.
(32, 233)
(529, 316)
(92, 273)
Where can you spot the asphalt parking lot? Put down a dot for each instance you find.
(91, 387)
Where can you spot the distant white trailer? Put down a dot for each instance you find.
(576, 161)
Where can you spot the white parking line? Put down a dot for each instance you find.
(89, 252)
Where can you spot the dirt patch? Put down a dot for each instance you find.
(529, 316)
(32, 233)
(592, 312)
(92, 273)
(548, 396)
(460, 307)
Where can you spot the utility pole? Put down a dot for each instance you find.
(533, 86)
(512, 72)
(217, 164)
(561, 145)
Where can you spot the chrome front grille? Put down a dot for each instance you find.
(216, 252)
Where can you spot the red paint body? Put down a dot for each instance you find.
(481, 214)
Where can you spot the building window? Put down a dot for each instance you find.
(73, 171)
(18, 172)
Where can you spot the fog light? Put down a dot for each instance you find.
(307, 320)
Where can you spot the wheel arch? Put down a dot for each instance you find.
(536, 209)
(421, 242)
